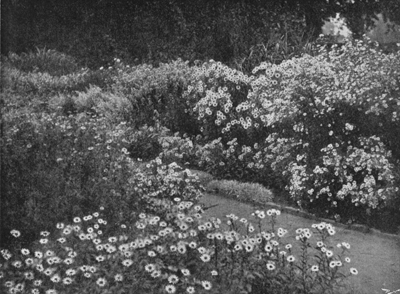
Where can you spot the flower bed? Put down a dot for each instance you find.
(177, 252)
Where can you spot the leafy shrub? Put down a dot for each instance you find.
(238, 162)
(85, 159)
(96, 101)
(44, 60)
(157, 90)
(181, 150)
(203, 177)
(12, 102)
(281, 39)
(82, 158)
(145, 143)
(241, 191)
(178, 252)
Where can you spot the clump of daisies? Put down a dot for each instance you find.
(177, 252)
(327, 130)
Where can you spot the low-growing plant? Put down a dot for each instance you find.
(238, 162)
(49, 72)
(158, 182)
(43, 83)
(44, 60)
(177, 252)
(93, 100)
(252, 192)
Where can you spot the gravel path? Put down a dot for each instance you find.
(376, 257)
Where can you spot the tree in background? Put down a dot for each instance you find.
(163, 30)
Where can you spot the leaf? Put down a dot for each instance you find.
(258, 275)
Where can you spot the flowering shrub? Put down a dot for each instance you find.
(278, 124)
(159, 184)
(216, 90)
(235, 161)
(346, 180)
(182, 150)
(307, 104)
(176, 253)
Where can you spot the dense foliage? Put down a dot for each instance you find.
(241, 33)
(329, 124)
(323, 126)
(178, 252)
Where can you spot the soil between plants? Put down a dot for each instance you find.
(376, 257)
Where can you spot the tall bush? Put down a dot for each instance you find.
(287, 116)
(340, 109)
(82, 159)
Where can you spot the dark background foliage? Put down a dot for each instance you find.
(95, 31)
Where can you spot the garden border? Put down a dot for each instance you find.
(297, 212)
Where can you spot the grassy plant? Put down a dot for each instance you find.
(44, 60)
(93, 100)
(241, 191)
(43, 83)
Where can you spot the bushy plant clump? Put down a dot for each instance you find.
(341, 156)
(87, 159)
(241, 191)
(82, 158)
(216, 90)
(145, 142)
(181, 149)
(42, 82)
(177, 252)
(157, 90)
(93, 100)
(327, 125)
(49, 72)
(239, 162)
(44, 60)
